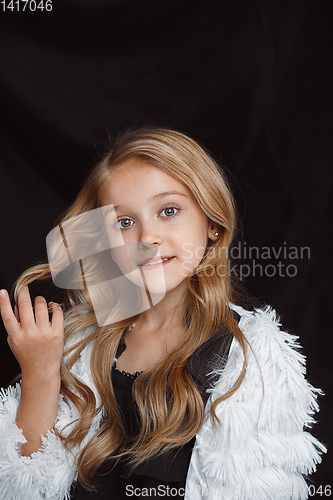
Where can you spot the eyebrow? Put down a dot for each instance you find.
(160, 195)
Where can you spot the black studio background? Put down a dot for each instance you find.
(249, 79)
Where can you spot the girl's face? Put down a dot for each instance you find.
(158, 217)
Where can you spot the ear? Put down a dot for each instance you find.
(214, 233)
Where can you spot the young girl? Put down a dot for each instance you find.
(181, 394)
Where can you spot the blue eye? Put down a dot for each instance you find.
(167, 211)
(120, 221)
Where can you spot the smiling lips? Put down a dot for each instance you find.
(152, 264)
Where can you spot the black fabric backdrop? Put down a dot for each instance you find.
(249, 79)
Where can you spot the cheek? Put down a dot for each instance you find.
(192, 250)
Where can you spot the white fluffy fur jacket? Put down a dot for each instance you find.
(260, 450)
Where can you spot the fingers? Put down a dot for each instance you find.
(57, 320)
(41, 313)
(24, 305)
(16, 312)
(23, 318)
(7, 314)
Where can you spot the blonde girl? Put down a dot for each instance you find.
(190, 396)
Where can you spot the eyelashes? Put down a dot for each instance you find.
(170, 216)
(171, 207)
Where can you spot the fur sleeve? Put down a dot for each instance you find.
(49, 473)
(262, 449)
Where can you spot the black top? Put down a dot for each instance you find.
(168, 470)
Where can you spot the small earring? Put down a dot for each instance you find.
(216, 234)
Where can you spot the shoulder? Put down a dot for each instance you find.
(269, 345)
(266, 337)
(258, 320)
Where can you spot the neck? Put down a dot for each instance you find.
(165, 315)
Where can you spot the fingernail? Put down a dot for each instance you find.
(2, 293)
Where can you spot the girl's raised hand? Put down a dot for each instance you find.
(36, 342)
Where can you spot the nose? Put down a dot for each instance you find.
(149, 235)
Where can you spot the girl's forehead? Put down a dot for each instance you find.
(137, 175)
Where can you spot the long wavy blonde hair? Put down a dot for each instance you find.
(169, 402)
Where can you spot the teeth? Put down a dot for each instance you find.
(155, 262)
